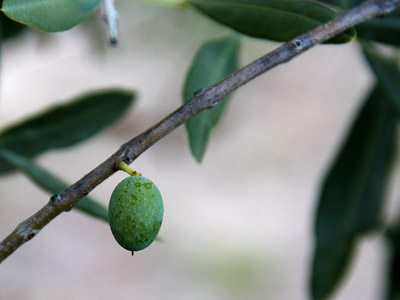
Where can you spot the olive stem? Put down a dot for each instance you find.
(126, 168)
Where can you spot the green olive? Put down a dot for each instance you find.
(135, 213)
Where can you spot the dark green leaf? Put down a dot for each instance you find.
(333, 2)
(52, 184)
(214, 61)
(49, 15)
(346, 4)
(66, 124)
(384, 30)
(277, 20)
(9, 28)
(387, 71)
(352, 193)
(393, 280)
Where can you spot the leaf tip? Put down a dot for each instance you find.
(198, 155)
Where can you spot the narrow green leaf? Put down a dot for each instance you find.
(49, 15)
(353, 192)
(345, 4)
(66, 124)
(277, 20)
(384, 30)
(387, 71)
(393, 280)
(214, 61)
(52, 184)
(1, 41)
(9, 28)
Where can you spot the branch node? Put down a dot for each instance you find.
(55, 198)
(127, 160)
(199, 92)
(26, 232)
(298, 44)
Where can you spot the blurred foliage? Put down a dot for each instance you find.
(49, 16)
(393, 279)
(386, 70)
(352, 194)
(385, 29)
(276, 20)
(239, 274)
(9, 28)
(51, 183)
(61, 126)
(66, 124)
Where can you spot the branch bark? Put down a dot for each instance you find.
(203, 99)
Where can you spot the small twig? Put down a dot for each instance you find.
(110, 18)
(204, 99)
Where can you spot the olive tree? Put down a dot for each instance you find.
(353, 191)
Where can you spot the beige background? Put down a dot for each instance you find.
(238, 226)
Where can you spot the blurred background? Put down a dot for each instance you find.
(238, 226)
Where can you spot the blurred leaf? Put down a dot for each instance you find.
(333, 2)
(52, 184)
(346, 4)
(66, 124)
(352, 194)
(9, 28)
(387, 71)
(277, 20)
(214, 61)
(1, 42)
(49, 15)
(384, 30)
(393, 280)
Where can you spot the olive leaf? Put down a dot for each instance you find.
(352, 194)
(65, 124)
(384, 30)
(277, 20)
(387, 71)
(346, 4)
(49, 15)
(393, 279)
(214, 60)
(51, 183)
(9, 28)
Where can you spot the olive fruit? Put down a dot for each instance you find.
(135, 213)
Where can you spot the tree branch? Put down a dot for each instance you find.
(203, 99)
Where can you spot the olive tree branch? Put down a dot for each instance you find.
(203, 99)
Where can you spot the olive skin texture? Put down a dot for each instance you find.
(135, 213)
